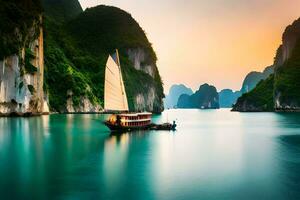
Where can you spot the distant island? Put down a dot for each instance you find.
(174, 93)
(227, 97)
(181, 96)
(206, 97)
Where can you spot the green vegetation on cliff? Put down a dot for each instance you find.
(253, 78)
(258, 99)
(62, 9)
(62, 76)
(287, 79)
(17, 18)
(76, 52)
(102, 29)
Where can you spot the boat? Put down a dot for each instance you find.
(115, 101)
(163, 127)
(129, 121)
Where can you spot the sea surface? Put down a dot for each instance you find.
(214, 154)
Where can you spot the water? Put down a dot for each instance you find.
(215, 154)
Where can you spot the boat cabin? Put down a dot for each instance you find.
(131, 120)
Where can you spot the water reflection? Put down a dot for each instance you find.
(289, 164)
(22, 149)
(124, 168)
(213, 155)
(40, 152)
(289, 120)
(288, 154)
(115, 158)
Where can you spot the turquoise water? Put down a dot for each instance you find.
(214, 154)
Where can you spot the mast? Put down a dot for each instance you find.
(115, 98)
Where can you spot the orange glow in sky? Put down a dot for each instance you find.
(210, 41)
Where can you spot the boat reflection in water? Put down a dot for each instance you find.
(115, 159)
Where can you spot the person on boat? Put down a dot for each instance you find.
(174, 125)
(118, 122)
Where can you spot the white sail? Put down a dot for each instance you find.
(115, 98)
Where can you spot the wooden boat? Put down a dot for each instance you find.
(136, 121)
(115, 100)
(164, 127)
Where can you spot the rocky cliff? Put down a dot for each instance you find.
(76, 52)
(22, 60)
(174, 93)
(259, 99)
(253, 78)
(21, 90)
(228, 98)
(141, 60)
(287, 74)
(206, 97)
(150, 98)
(284, 86)
(290, 39)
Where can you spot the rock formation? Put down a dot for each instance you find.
(22, 63)
(151, 98)
(253, 78)
(21, 91)
(259, 99)
(76, 54)
(174, 93)
(287, 74)
(206, 97)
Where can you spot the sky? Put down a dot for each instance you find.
(210, 41)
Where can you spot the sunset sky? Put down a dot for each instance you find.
(210, 41)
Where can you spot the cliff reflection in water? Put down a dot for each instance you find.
(288, 153)
(23, 145)
(214, 154)
(39, 152)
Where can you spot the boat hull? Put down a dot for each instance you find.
(114, 127)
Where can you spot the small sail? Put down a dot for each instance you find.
(115, 98)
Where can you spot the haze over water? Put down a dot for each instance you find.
(214, 154)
